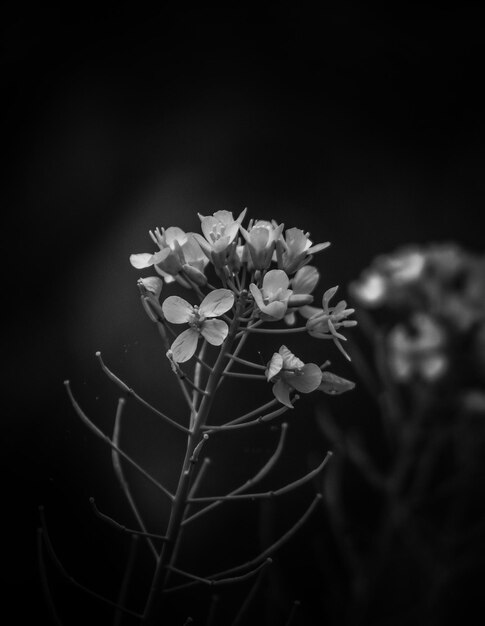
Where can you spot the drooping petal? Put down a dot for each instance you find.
(281, 392)
(142, 260)
(216, 303)
(333, 384)
(153, 284)
(273, 281)
(309, 311)
(177, 310)
(215, 331)
(185, 345)
(308, 379)
(274, 366)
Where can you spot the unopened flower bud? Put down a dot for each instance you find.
(198, 277)
(299, 299)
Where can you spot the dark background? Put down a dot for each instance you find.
(367, 132)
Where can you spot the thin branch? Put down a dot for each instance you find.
(277, 544)
(73, 581)
(130, 392)
(120, 475)
(264, 418)
(44, 581)
(249, 598)
(126, 580)
(232, 357)
(270, 463)
(242, 375)
(219, 582)
(198, 479)
(275, 331)
(253, 413)
(269, 494)
(107, 440)
(118, 526)
(294, 609)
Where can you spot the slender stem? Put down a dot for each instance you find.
(232, 357)
(43, 575)
(107, 440)
(267, 467)
(275, 331)
(269, 494)
(181, 496)
(247, 376)
(264, 418)
(130, 392)
(120, 475)
(72, 580)
(117, 525)
(126, 580)
(249, 598)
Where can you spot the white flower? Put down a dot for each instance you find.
(272, 298)
(289, 373)
(178, 311)
(261, 238)
(294, 250)
(177, 249)
(419, 353)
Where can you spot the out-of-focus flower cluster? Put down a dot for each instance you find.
(244, 277)
(430, 303)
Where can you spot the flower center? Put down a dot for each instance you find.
(217, 232)
(196, 319)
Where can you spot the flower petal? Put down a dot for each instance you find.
(174, 234)
(308, 380)
(273, 281)
(274, 366)
(215, 331)
(142, 260)
(290, 361)
(256, 293)
(328, 295)
(177, 310)
(274, 310)
(216, 303)
(281, 392)
(185, 345)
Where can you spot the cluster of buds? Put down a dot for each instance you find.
(265, 276)
(430, 303)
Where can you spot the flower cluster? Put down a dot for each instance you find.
(265, 276)
(429, 301)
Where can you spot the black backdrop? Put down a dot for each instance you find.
(367, 132)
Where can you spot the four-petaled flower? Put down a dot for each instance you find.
(294, 250)
(177, 249)
(178, 311)
(289, 373)
(324, 323)
(219, 240)
(272, 298)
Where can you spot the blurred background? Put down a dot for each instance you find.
(365, 132)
